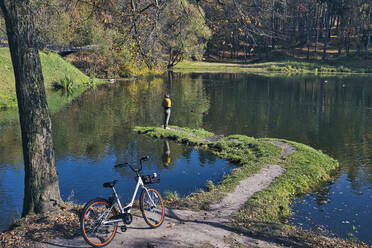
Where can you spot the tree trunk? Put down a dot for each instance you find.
(368, 42)
(317, 29)
(341, 37)
(41, 180)
(326, 34)
(358, 41)
(347, 44)
(308, 36)
(272, 24)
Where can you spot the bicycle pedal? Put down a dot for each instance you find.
(123, 228)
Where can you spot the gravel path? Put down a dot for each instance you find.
(187, 228)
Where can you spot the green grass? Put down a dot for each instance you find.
(287, 66)
(55, 71)
(171, 196)
(182, 135)
(306, 169)
(188, 66)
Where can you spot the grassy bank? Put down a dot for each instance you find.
(288, 66)
(266, 213)
(56, 71)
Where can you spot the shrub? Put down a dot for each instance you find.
(66, 84)
(210, 186)
(171, 196)
(343, 69)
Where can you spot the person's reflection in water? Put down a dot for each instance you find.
(166, 154)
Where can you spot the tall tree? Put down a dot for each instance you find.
(366, 19)
(41, 181)
(326, 35)
(184, 33)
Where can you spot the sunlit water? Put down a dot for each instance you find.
(94, 132)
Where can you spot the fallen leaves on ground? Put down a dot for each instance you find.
(29, 231)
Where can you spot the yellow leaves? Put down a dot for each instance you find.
(170, 225)
(116, 47)
(248, 21)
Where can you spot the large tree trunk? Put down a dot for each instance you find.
(41, 181)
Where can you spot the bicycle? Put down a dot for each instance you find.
(99, 218)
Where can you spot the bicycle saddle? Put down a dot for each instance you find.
(110, 184)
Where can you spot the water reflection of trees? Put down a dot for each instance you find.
(10, 145)
(328, 113)
(102, 120)
(332, 114)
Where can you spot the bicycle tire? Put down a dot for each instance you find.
(153, 214)
(92, 232)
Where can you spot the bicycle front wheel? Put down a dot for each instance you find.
(152, 207)
(92, 226)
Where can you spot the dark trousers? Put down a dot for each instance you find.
(167, 112)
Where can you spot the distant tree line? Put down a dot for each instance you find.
(243, 28)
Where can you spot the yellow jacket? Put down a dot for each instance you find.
(167, 102)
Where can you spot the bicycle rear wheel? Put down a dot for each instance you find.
(94, 231)
(152, 207)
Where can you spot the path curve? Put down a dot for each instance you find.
(188, 228)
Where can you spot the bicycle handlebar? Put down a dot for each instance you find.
(145, 158)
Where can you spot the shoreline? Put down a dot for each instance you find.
(286, 67)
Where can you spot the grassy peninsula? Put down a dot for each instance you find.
(305, 169)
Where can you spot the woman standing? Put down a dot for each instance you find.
(167, 109)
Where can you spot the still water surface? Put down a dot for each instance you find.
(94, 132)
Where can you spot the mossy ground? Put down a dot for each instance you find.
(269, 209)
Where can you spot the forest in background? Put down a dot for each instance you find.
(131, 37)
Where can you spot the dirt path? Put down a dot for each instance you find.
(186, 228)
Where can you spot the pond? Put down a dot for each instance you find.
(94, 132)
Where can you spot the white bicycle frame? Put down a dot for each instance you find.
(128, 207)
